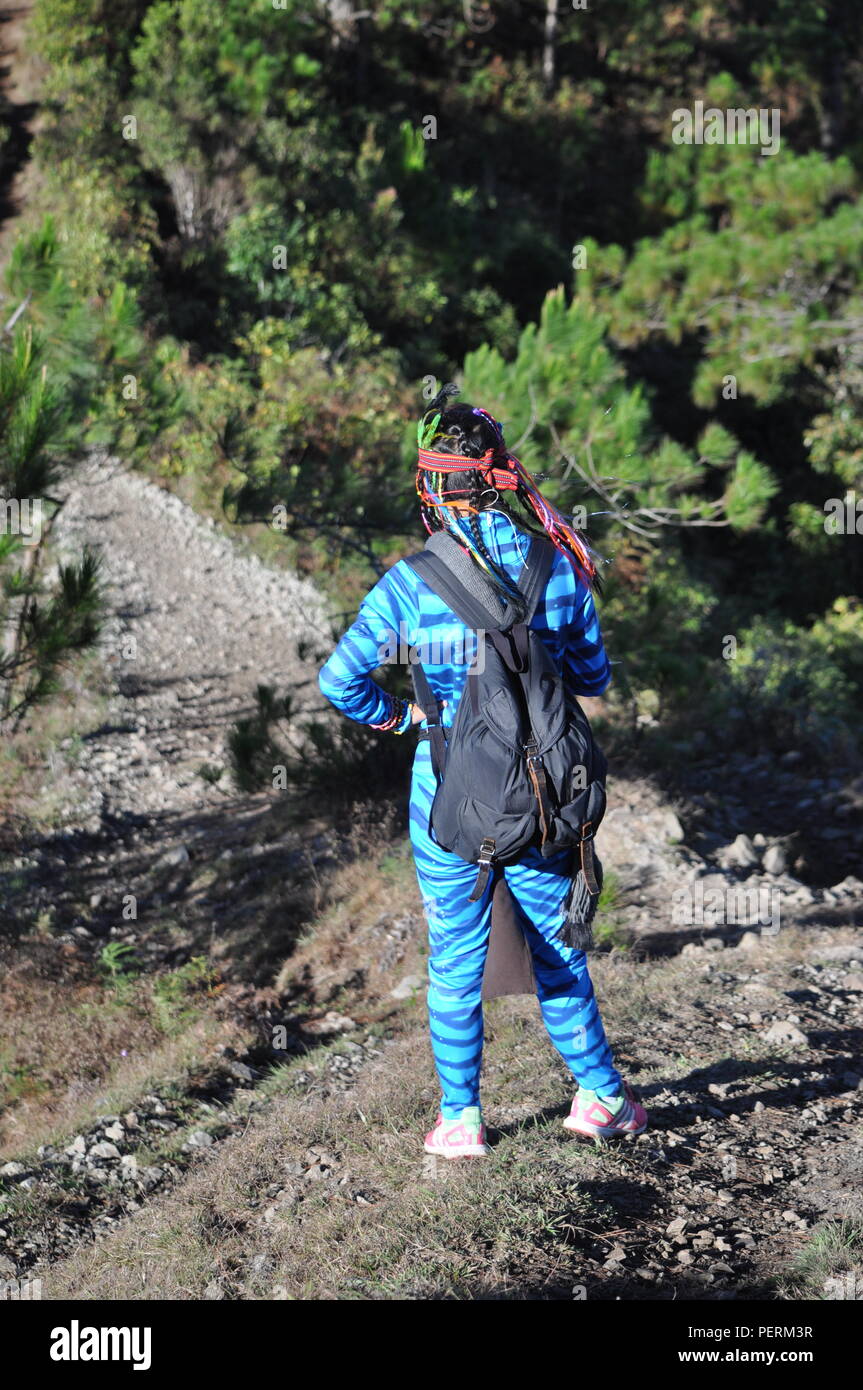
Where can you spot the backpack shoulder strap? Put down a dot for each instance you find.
(468, 602)
(435, 730)
(454, 577)
(535, 573)
(447, 576)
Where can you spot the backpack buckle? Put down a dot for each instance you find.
(484, 863)
(588, 860)
(532, 753)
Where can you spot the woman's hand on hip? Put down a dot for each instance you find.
(417, 715)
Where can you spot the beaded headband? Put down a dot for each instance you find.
(506, 479)
(509, 475)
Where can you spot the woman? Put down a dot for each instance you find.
(469, 503)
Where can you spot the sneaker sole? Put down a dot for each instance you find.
(455, 1152)
(601, 1131)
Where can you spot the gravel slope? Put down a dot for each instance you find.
(193, 626)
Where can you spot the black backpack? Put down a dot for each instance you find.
(520, 766)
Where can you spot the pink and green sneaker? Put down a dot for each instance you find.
(602, 1117)
(464, 1138)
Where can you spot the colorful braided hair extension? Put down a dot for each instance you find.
(436, 509)
(495, 468)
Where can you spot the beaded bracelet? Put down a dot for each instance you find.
(407, 710)
(400, 709)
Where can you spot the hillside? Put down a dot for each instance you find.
(242, 247)
(162, 1110)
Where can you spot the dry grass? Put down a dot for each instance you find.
(343, 948)
(71, 1049)
(830, 1266)
(419, 1237)
(74, 1043)
(246, 1226)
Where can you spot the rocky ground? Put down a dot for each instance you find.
(746, 1049)
(143, 806)
(194, 626)
(86, 1188)
(744, 1056)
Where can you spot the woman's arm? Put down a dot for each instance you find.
(568, 610)
(568, 613)
(587, 670)
(385, 622)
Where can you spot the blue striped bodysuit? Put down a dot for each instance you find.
(400, 611)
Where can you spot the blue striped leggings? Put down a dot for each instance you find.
(458, 944)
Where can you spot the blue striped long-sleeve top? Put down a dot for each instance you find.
(402, 611)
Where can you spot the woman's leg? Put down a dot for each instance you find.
(569, 1009)
(458, 945)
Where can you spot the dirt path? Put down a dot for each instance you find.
(193, 626)
(140, 800)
